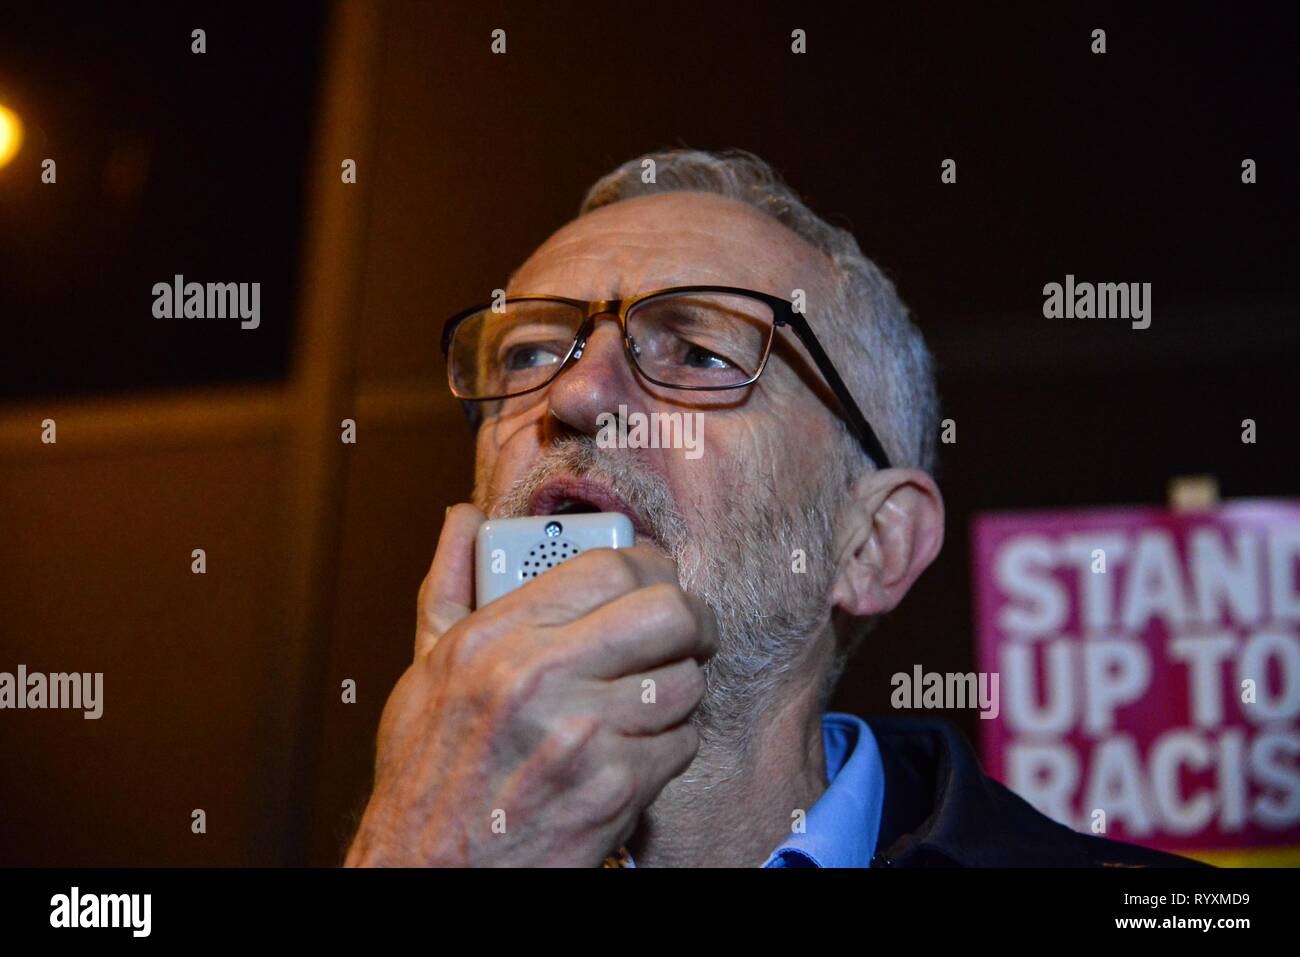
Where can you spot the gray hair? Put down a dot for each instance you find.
(894, 381)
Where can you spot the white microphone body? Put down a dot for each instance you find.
(510, 552)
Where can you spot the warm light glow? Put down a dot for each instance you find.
(11, 134)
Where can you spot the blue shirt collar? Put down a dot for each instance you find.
(841, 829)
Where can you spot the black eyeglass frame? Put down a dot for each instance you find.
(783, 312)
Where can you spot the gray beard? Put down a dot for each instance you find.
(741, 562)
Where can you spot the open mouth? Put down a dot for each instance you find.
(574, 508)
(574, 496)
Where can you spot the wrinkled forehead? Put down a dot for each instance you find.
(673, 239)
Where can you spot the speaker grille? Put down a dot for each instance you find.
(546, 554)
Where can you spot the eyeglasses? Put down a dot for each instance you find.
(698, 338)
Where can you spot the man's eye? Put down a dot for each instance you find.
(529, 357)
(698, 358)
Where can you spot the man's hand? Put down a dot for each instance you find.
(519, 734)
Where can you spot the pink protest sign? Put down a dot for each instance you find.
(1150, 670)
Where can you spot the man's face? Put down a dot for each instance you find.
(770, 467)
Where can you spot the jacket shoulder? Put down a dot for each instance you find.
(1093, 850)
(941, 809)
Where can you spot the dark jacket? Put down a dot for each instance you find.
(941, 810)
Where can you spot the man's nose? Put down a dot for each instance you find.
(600, 380)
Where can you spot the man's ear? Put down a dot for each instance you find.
(890, 530)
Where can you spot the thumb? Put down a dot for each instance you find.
(447, 593)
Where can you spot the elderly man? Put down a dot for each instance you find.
(522, 733)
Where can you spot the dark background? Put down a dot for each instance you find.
(168, 162)
(1117, 167)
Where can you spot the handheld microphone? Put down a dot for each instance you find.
(513, 551)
